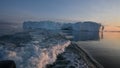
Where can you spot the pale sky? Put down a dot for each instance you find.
(106, 12)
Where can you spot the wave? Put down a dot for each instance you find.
(42, 49)
(74, 57)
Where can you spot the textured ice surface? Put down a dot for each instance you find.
(41, 49)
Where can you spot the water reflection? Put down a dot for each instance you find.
(85, 36)
(101, 35)
(106, 52)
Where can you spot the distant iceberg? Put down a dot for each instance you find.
(50, 25)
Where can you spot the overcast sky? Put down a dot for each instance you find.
(103, 11)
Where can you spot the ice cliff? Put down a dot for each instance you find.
(33, 49)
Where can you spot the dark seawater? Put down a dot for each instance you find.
(10, 28)
(103, 46)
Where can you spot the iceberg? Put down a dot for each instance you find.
(86, 26)
(50, 25)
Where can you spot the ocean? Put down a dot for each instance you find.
(104, 47)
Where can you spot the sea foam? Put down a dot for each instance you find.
(42, 49)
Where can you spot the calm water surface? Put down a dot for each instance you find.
(104, 47)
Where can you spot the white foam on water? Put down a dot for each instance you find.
(35, 54)
(75, 60)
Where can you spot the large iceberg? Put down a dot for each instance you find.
(50, 25)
